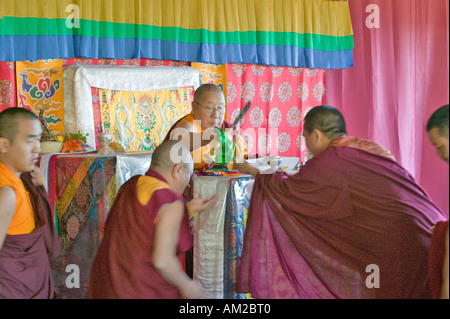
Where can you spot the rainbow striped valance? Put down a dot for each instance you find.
(298, 33)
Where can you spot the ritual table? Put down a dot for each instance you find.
(82, 188)
(219, 234)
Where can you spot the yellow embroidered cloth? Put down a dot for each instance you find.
(139, 121)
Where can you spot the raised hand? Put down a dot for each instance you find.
(199, 204)
(37, 177)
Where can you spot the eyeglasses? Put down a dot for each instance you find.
(210, 110)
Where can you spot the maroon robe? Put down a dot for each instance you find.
(122, 268)
(436, 258)
(25, 271)
(347, 219)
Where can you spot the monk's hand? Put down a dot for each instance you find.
(37, 177)
(192, 291)
(198, 204)
(247, 168)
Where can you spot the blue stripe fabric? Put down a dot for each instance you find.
(70, 46)
(32, 48)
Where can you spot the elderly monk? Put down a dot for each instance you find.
(146, 230)
(27, 235)
(351, 224)
(198, 129)
(437, 129)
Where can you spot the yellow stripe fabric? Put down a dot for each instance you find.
(50, 9)
(299, 16)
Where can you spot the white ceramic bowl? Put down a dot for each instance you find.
(51, 147)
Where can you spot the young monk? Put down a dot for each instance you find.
(437, 129)
(27, 235)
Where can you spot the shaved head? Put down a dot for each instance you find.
(439, 119)
(326, 119)
(437, 128)
(208, 87)
(9, 121)
(169, 154)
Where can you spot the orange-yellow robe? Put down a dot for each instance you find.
(199, 155)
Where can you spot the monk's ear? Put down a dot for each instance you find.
(4, 144)
(321, 140)
(317, 136)
(177, 170)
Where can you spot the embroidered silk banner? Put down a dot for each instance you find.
(238, 202)
(40, 86)
(280, 98)
(219, 234)
(212, 73)
(7, 85)
(80, 79)
(297, 33)
(84, 189)
(95, 91)
(139, 121)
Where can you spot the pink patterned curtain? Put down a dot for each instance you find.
(401, 75)
(280, 97)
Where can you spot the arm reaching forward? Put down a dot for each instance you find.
(165, 260)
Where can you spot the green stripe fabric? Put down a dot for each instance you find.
(13, 26)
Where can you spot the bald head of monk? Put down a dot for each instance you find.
(20, 134)
(437, 129)
(174, 162)
(322, 125)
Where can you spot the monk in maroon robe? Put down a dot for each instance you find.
(438, 133)
(351, 224)
(28, 240)
(147, 229)
(438, 261)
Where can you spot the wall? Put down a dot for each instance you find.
(401, 75)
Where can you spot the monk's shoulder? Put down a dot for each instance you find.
(7, 198)
(182, 129)
(149, 187)
(185, 124)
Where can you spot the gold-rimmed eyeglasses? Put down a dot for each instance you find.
(210, 110)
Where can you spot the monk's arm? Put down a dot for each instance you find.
(184, 132)
(445, 271)
(164, 257)
(247, 168)
(7, 208)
